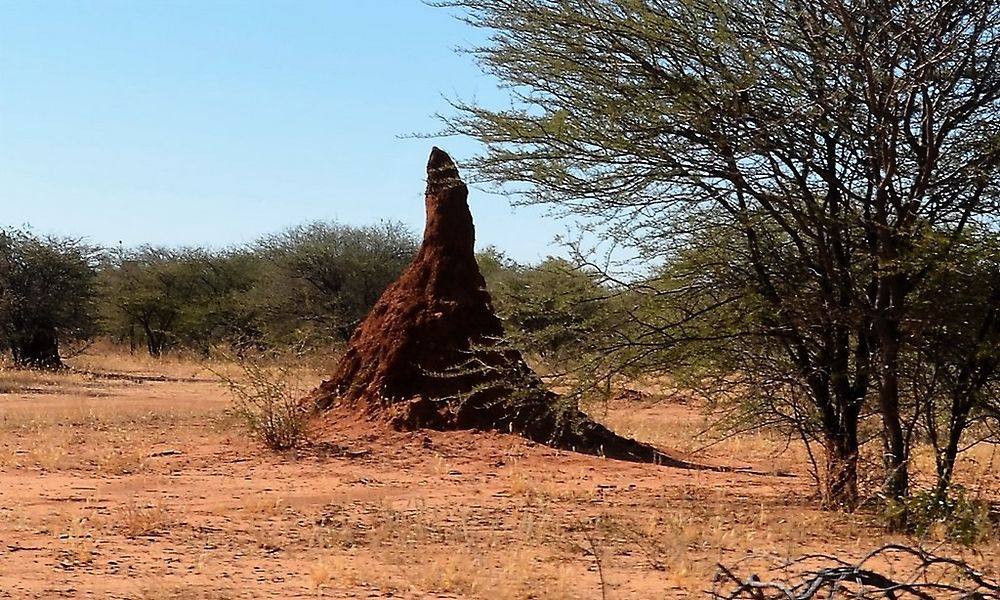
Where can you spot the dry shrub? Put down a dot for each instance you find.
(268, 400)
(79, 543)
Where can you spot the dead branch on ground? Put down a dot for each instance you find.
(925, 576)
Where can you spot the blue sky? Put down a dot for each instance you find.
(211, 122)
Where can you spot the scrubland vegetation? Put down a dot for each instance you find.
(810, 191)
(150, 454)
(148, 486)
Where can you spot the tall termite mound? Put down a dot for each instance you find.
(431, 353)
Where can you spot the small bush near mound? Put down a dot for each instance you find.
(267, 399)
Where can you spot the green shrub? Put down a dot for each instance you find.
(956, 515)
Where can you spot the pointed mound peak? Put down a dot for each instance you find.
(442, 174)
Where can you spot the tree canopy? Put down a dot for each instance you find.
(822, 159)
(46, 296)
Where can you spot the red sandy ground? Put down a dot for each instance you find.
(129, 489)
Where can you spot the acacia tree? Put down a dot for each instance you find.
(821, 139)
(323, 277)
(146, 291)
(190, 297)
(795, 359)
(46, 296)
(953, 371)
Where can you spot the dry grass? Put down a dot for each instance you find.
(137, 519)
(174, 588)
(105, 436)
(103, 357)
(264, 504)
(152, 470)
(44, 383)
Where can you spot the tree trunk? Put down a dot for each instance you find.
(841, 483)
(890, 300)
(840, 407)
(154, 341)
(39, 351)
(947, 456)
(895, 458)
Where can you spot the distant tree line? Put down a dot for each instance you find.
(307, 286)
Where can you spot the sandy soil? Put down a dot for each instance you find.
(145, 488)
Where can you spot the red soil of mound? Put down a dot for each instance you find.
(430, 353)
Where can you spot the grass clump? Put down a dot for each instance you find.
(135, 520)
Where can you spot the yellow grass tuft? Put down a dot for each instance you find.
(136, 519)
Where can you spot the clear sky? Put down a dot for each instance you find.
(211, 122)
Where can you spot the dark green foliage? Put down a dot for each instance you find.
(46, 296)
(954, 514)
(318, 280)
(553, 308)
(952, 369)
(163, 298)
